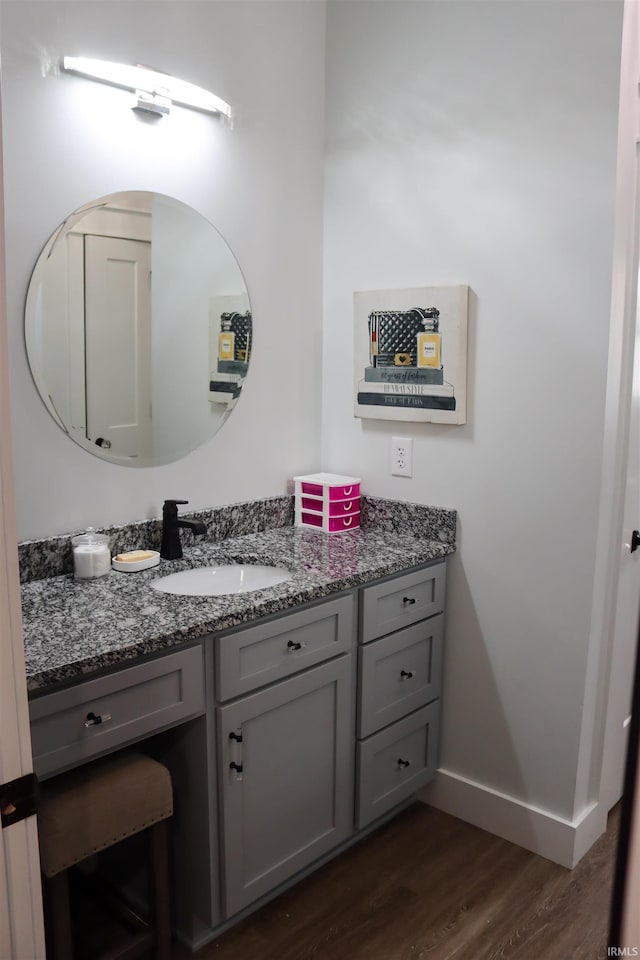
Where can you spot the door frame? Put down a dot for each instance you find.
(21, 923)
(625, 342)
(600, 716)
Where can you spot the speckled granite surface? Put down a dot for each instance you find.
(397, 516)
(52, 557)
(74, 628)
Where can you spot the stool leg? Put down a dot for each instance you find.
(159, 888)
(58, 916)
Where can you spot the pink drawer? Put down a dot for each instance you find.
(334, 508)
(344, 523)
(334, 493)
(344, 493)
(312, 519)
(312, 503)
(333, 524)
(338, 508)
(315, 489)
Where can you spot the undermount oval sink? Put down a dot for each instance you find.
(223, 579)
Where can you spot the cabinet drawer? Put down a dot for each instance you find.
(138, 700)
(330, 491)
(396, 762)
(396, 603)
(334, 508)
(329, 524)
(399, 674)
(259, 655)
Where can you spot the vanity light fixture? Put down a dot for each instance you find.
(155, 91)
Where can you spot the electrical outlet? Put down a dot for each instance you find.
(401, 456)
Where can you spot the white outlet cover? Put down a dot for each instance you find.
(401, 456)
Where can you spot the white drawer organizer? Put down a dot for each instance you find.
(328, 501)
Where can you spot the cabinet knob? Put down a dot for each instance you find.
(408, 600)
(403, 763)
(406, 674)
(93, 720)
(293, 645)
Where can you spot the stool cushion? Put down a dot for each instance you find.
(99, 804)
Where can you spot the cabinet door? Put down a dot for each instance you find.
(291, 801)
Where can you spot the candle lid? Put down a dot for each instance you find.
(90, 539)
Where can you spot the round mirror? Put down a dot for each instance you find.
(138, 328)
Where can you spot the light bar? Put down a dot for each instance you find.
(147, 81)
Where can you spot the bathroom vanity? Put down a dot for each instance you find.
(293, 719)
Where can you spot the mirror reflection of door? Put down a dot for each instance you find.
(118, 344)
(121, 330)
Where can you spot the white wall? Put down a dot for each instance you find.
(68, 141)
(475, 142)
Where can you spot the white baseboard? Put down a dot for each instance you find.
(535, 829)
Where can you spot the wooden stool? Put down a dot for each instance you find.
(92, 808)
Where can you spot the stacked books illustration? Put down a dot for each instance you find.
(234, 350)
(405, 361)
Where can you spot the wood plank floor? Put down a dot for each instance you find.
(429, 887)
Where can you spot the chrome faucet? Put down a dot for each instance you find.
(171, 548)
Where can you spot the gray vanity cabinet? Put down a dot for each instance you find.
(285, 739)
(286, 777)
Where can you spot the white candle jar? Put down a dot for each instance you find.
(91, 555)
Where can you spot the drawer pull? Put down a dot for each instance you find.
(93, 720)
(408, 600)
(235, 736)
(406, 674)
(238, 769)
(403, 763)
(293, 645)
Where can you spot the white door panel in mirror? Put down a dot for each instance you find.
(138, 377)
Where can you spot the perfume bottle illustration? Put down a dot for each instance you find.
(226, 340)
(429, 341)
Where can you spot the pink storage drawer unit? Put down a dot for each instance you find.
(328, 501)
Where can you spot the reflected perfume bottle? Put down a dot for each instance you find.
(226, 339)
(429, 341)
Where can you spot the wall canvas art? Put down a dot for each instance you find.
(411, 354)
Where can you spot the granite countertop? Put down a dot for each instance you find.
(74, 628)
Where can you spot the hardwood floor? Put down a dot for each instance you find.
(429, 887)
